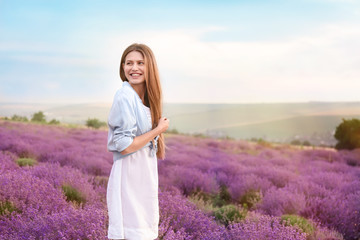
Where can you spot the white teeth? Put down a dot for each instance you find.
(135, 74)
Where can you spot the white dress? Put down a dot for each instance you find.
(132, 196)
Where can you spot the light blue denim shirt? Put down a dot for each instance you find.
(127, 119)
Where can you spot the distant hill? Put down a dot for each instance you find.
(282, 122)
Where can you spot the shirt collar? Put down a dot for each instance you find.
(127, 84)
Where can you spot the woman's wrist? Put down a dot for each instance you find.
(157, 131)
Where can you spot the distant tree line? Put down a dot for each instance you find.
(301, 143)
(347, 134)
(38, 117)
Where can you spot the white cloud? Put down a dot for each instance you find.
(324, 61)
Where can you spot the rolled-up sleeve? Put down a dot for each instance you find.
(122, 123)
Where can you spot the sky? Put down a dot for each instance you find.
(207, 51)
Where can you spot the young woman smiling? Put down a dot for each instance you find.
(136, 140)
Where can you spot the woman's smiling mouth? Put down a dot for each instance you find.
(135, 74)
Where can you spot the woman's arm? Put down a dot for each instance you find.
(142, 140)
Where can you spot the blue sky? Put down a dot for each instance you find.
(207, 51)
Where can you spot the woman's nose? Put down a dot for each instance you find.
(135, 67)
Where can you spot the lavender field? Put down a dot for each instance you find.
(53, 185)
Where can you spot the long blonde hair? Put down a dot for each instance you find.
(153, 92)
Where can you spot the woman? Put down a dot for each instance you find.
(136, 140)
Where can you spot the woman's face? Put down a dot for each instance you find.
(134, 68)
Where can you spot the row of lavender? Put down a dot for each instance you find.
(319, 185)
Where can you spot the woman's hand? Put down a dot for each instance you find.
(163, 124)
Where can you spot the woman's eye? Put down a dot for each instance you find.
(141, 63)
(128, 63)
